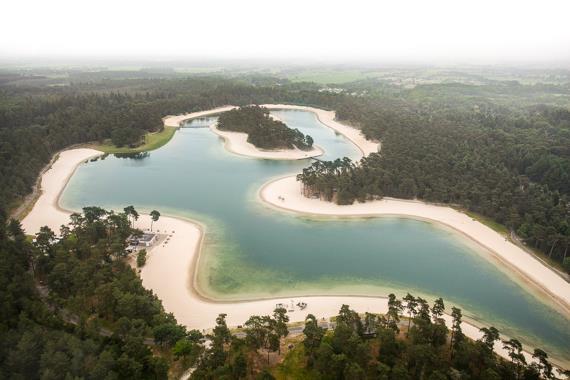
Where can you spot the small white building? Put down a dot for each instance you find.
(147, 239)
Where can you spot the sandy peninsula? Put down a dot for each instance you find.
(285, 193)
(236, 142)
(177, 120)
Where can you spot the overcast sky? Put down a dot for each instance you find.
(443, 31)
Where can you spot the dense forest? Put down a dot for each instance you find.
(73, 308)
(511, 165)
(262, 130)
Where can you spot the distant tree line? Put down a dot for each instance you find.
(262, 130)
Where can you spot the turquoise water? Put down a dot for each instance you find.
(251, 250)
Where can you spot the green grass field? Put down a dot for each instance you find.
(152, 141)
(293, 367)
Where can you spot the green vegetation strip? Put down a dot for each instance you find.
(153, 141)
(496, 226)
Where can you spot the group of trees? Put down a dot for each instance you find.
(73, 308)
(262, 130)
(410, 341)
(330, 180)
(512, 165)
(387, 347)
(229, 356)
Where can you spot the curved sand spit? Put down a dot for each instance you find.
(170, 267)
(509, 254)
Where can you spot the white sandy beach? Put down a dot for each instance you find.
(170, 267)
(509, 254)
(45, 211)
(236, 142)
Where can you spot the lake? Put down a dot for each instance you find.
(251, 250)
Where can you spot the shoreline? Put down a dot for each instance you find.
(506, 254)
(175, 265)
(46, 210)
(171, 270)
(326, 118)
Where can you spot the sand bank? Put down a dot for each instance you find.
(508, 254)
(236, 142)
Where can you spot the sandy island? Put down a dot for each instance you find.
(236, 142)
(170, 268)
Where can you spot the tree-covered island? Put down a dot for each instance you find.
(262, 130)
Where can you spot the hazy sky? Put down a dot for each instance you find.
(453, 31)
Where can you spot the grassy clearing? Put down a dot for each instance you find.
(293, 366)
(152, 141)
(500, 228)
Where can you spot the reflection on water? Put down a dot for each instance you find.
(133, 156)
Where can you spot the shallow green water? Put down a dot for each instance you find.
(252, 250)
